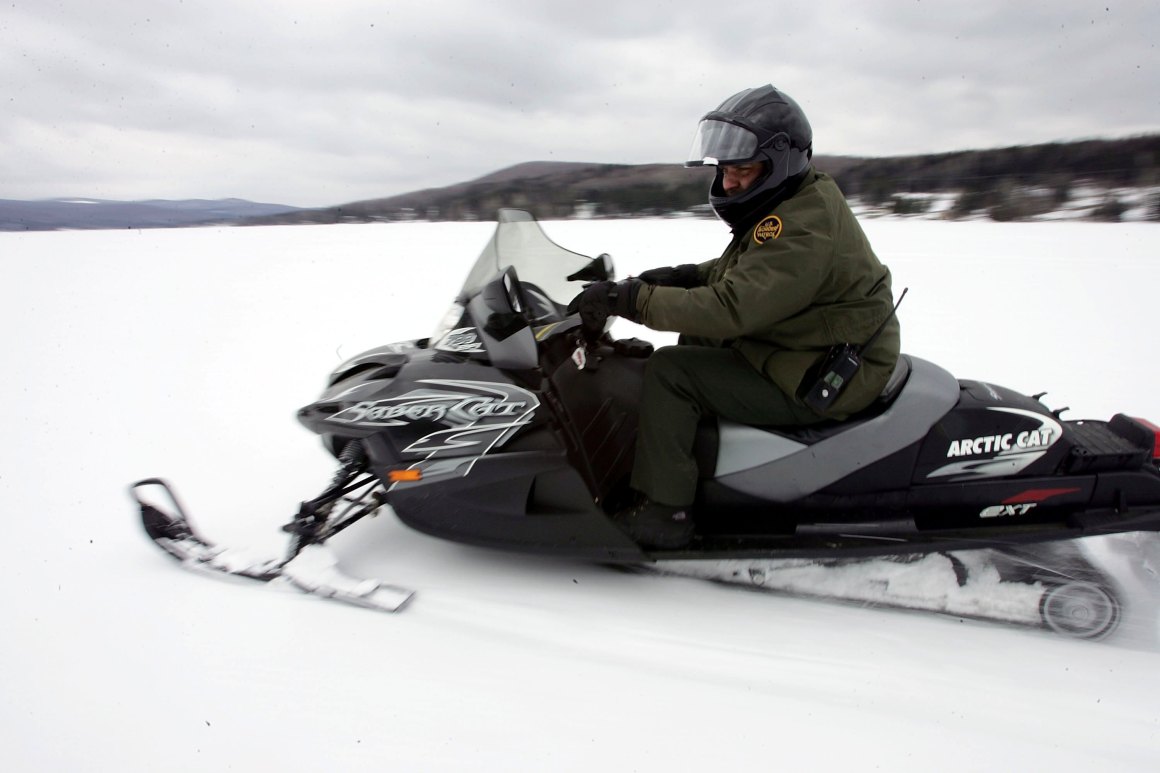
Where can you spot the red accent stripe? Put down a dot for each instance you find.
(1038, 495)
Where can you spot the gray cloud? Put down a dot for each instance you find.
(312, 104)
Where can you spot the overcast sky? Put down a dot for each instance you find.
(313, 103)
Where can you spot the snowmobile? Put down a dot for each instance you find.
(513, 427)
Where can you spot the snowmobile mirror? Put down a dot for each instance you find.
(499, 311)
(505, 303)
(598, 269)
(503, 295)
(511, 289)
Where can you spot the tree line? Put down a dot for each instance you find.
(1014, 183)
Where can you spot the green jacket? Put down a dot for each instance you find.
(799, 281)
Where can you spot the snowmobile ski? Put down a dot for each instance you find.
(309, 565)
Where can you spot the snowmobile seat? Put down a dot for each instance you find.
(895, 382)
(809, 458)
(708, 432)
(811, 433)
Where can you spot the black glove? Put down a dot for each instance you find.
(599, 300)
(685, 276)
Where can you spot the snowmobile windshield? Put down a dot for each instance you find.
(721, 142)
(541, 264)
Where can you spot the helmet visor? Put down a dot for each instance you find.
(718, 142)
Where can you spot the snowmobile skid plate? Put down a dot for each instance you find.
(310, 567)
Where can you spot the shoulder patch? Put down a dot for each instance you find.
(769, 228)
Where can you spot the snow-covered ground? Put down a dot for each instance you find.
(185, 353)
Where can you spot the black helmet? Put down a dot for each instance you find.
(760, 124)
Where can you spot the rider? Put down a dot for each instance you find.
(798, 278)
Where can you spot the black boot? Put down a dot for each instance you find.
(654, 525)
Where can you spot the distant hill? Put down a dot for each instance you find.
(1101, 179)
(1080, 179)
(55, 214)
(547, 189)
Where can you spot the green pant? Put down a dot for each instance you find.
(681, 385)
